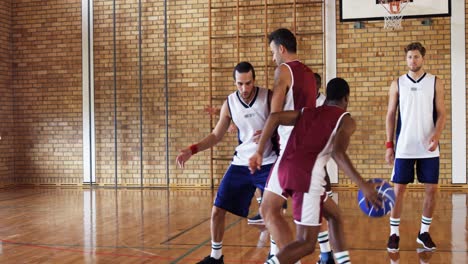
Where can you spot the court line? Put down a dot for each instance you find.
(83, 251)
(183, 232)
(204, 242)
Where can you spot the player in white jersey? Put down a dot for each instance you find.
(248, 108)
(418, 97)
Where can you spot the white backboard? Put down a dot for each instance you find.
(360, 10)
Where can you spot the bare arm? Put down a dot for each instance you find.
(209, 141)
(441, 114)
(280, 88)
(390, 120)
(285, 118)
(341, 143)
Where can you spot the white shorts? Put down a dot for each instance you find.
(306, 207)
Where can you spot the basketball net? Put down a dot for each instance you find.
(393, 17)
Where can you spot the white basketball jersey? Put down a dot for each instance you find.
(416, 117)
(320, 100)
(249, 118)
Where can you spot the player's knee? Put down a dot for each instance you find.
(306, 246)
(217, 212)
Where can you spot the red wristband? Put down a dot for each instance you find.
(194, 149)
(389, 144)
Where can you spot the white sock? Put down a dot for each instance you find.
(323, 242)
(425, 224)
(273, 260)
(342, 257)
(216, 249)
(395, 226)
(273, 247)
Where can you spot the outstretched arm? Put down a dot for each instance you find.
(285, 118)
(209, 141)
(341, 143)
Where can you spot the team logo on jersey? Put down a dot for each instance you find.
(414, 89)
(249, 115)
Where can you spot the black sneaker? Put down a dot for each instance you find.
(393, 243)
(329, 260)
(211, 260)
(256, 220)
(425, 240)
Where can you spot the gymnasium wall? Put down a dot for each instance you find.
(6, 99)
(47, 87)
(47, 84)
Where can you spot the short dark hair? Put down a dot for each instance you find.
(318, 80)
(337, 89)
(243, 67)
(284, 37)
(416, 46)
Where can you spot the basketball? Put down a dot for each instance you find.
(387, 197)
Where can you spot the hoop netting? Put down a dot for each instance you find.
(393, 17)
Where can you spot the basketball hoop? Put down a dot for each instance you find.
(393, 17)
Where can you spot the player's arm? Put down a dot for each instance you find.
(285, 118)
(390, 121)
(209, 141)
(341, 143)
(441, 114)
(280, 88)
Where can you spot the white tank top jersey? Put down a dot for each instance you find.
(320, 100)
(417, 116)
(249, 118)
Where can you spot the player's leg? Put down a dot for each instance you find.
(275, 222)
(428, 173)
(403, 173)
(326, 255)
(307, 217)
(337, 238)
(234, 195)
(270, 210)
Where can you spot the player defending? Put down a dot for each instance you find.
(419, 97)
(248, 108)
(293, 89)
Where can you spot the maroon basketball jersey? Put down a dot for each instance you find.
(309, 146)
(304, 90)
(302, 93)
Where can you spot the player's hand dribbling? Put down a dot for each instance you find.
(255, 162)
(183, 156)
(369, 189)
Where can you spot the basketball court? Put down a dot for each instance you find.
(100, 96)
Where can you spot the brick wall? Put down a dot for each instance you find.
(47, 85)
(6, 98)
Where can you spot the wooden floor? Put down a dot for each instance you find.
(53, 225)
